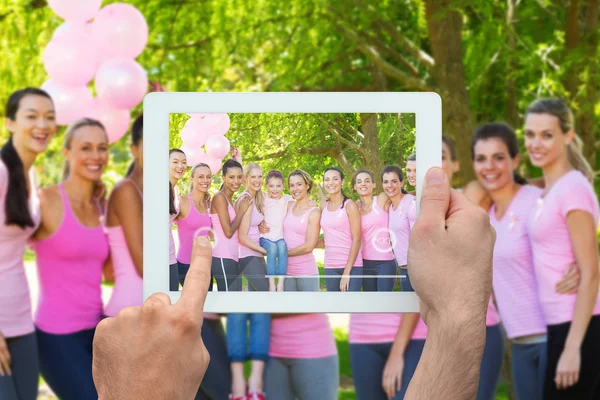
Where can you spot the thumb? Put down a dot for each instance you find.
(435, 201)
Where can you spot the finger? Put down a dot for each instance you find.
(434, 201)
(398, 383)
(197, 280)
(5, 365)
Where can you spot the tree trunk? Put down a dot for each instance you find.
(445, 28)
(512, 109)
(371, 145)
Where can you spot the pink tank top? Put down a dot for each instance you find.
(380, 328)
(172, 254)
(70, 266)
(128, 289)
(15, 300)
(302, 336)
(255, 220)
(338, 238)
(376, 235)
(193, 225)
(224, 247)
(294, 234)
(399, 226)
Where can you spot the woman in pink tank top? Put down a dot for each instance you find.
(301, 228)
(226, 221)
(563, 230)
(177, 167)
(379, 264)
(72, 250)
(31, 122)
(124, 228)
(193, 219)
(340, 221)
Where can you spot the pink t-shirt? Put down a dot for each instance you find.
(380, 328)
(514, 279)
(189, 228)
(302, 336)
(255, 219)
(172, 253)
(399, 226)
(15, 302)
(551, 242)
(376, 235)
(338, 238)
(412, 212)
(275, 210)
(70, 266)
(294, 234)
(224, 247)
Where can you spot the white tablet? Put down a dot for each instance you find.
(327, 123)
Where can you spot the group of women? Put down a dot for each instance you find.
(546, 276)
(78, 233)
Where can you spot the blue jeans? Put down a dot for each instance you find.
(237, 337)
(217, 379)
(368, 361)
(529, 370)
(333, 276)
(405, 284)
(373, 269)
(66, 364)
(491, 363)
(23, 383)
(183, 270)
(277, 256)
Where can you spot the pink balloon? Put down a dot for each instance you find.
(219, 124)
(71, 103)
(70, 58)
(214, 164)
(122, 83)
(192, 155)
(75, 10)
(115, 121)
(193, 133)
(217, 146)
(120, 30)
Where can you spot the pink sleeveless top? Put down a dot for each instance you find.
(224, 247)
(338, 238)
(294, 234)
(128, 289)
(380, 328)
(255, 220)
(172, 255)
(70, 274)
(302, 336)
(376, 235)
(15, 300)
(193, 225)
(399, 226)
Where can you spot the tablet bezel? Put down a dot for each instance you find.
(158, 106)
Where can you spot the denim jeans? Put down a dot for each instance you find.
(405, 284)
(23, 383)
(277, 256)
(237, 337)
(333, 276)
(377, 275)
(529, 369)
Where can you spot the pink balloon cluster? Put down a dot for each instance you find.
(208, 131)
(100, 45)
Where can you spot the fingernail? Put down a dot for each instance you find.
(202, 241)
(435, 176)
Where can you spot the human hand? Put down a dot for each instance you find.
(570, 280)
(263, 227)
(345, 282)
(450, 254)
(392, 375)
(5, 359)
(236, 154)
(263, 251)
(155, 351)
(245, 204)
(567, 370)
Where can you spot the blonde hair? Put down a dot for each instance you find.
(305, 177)
(199, 165)
(259, 199)
(560, 110)
(70, 134)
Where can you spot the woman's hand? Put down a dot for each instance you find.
(567, 371)
(570, 281)
(345, 282)
(5, 359)
(392, 375)
(263, 227)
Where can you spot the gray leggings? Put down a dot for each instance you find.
(529, 369)
(255, 271)
(302, 379)
(301, 284)
(23, 383)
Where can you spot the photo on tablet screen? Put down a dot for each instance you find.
(294, 201)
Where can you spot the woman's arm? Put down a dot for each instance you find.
(243, 237)
(582, 231)
(384, 202)
(219, 203)
(128, 208)
(185, 206)
(312, 235)
(355, 231)
(392, 373)
(108, 270)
